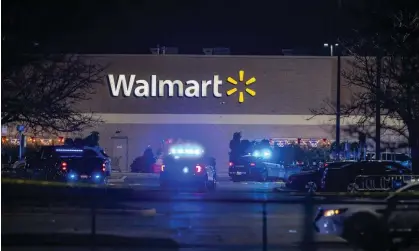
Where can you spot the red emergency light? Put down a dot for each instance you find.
(198, 168)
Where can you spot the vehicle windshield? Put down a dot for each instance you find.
(412, 188)
(207, 125)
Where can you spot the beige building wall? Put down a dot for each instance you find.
(286, 89)
(284, 85)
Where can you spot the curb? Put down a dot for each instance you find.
(118, 174)
(148, 212)
(135, 174)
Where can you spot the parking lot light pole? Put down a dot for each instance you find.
(338, 106)
(332, 52)
(378, 110)
(332, 47)
(338, 22)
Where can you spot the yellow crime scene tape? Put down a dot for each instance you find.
(56, 183)
(84, 185)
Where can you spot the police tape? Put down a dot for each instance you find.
(56, 183)
(125, 186)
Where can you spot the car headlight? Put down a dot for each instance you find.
(333, 212)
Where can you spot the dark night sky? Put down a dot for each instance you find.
(247, 27)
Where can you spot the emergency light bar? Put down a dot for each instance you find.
(186, 151)
(265, 154)
(69, 150)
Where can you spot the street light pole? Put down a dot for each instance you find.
(339, 2)
(332, 48)
(338, 107)
(378, 111)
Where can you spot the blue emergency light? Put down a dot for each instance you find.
(72, 176)
(265, 154)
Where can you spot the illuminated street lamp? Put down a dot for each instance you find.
(332, 50)
(331, 46)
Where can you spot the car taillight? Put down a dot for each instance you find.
(230, 164)
(64, 166)
(325, 165)
(162, 168)
(252, 164)
(198, 168)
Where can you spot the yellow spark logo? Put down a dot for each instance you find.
(241, 80)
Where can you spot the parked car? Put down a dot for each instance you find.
(365, 175)
(67, 164)
(250, 167)
(310, 180)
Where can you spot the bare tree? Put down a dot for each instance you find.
(42, 79)
(42, 92)
(355, 131)
(396, 42)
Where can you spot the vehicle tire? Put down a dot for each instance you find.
(363, 230)
(352, 188)
(311, 187)
(263, 176)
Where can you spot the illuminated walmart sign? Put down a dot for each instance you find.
(248, 90)
(130, 85)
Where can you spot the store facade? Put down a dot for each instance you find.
(146, 99)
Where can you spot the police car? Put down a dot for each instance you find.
(256, 166)
(368, 226)
(186, 165)
(66, 164)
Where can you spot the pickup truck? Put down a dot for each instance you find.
(66, 164)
